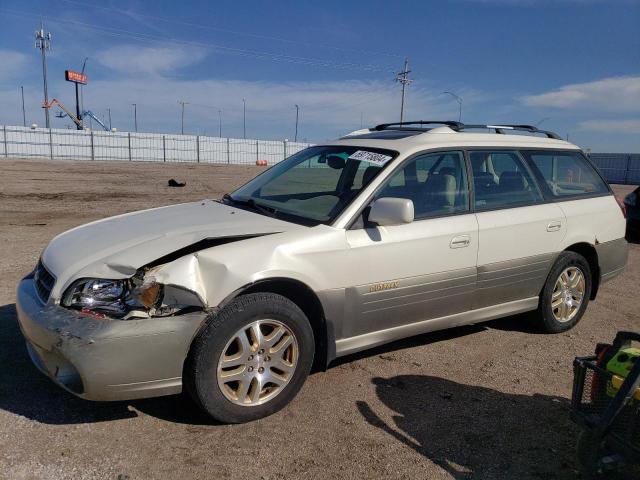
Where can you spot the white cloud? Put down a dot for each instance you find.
(612, 126)
(12, 64)
(614, 94)
(149, 60)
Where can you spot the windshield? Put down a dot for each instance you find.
(314, 185)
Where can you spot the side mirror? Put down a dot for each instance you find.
(391, 211)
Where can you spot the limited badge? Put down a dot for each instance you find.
(378, 287)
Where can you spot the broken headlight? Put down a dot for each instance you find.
(113, 297)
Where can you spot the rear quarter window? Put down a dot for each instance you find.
(567, 174)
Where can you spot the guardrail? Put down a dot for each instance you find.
(59, 144)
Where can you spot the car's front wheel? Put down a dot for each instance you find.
(566, 293)
(251, 358)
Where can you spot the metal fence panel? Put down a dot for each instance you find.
(623, 168)
(55, 144)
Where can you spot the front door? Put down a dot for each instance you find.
(418, 271)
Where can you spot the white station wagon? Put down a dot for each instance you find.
(385, 233)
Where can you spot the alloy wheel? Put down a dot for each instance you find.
(257, 363)
(568, 294)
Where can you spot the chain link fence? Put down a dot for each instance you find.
(60, 144)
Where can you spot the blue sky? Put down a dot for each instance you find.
(573, 65)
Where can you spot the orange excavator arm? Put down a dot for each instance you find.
(55, 101)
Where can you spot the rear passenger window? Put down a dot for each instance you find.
(501, 180)
(567, 173)
(436, 183)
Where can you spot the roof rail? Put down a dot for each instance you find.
(459, 126)
(522, 128)
(385, 126)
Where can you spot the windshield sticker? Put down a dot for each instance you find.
(371, 157)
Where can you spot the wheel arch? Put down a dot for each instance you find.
(307, 300)
(588, 251)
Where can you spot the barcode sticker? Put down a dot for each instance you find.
(371, 157)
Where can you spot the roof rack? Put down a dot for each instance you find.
(522, 128)
(459, 126)
(386, 126)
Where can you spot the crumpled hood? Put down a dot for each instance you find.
(116, 247)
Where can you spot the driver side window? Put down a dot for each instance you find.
(436, 183)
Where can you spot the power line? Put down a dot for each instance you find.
(130, 13)
(309, 61)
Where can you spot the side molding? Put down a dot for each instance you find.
(361, 342)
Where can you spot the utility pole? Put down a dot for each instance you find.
(220, 123)
(295, 138)
(244, 118)
(404, 80)
(43, 42)
(459, 100)
(135, 116)
(24, 116)
(183, 103)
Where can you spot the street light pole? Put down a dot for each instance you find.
(220, 123)
(459, 100)
(43, 42)
(295, 138)
(24, 116)
(135, 116)
(183, 103)
(244, 118)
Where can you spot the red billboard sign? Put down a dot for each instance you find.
(77, 77)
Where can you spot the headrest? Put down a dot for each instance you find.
(511, 180)
(447, 171)
(483, 178)
(442, 189)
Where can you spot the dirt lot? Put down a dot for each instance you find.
(487, 401)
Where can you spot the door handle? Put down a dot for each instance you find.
(460, 241)
(554, 226)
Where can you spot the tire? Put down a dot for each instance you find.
(227, 348)
(551, 318)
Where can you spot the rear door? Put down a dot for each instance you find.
(519, 233)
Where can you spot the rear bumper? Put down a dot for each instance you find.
(612, 258)
(105, 359)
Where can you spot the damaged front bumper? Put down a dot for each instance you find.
(105, 359)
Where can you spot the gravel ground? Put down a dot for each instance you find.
(488, 401)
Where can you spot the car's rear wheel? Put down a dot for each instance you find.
(251, 358)
(566, 293)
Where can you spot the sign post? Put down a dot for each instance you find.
(76, 77)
